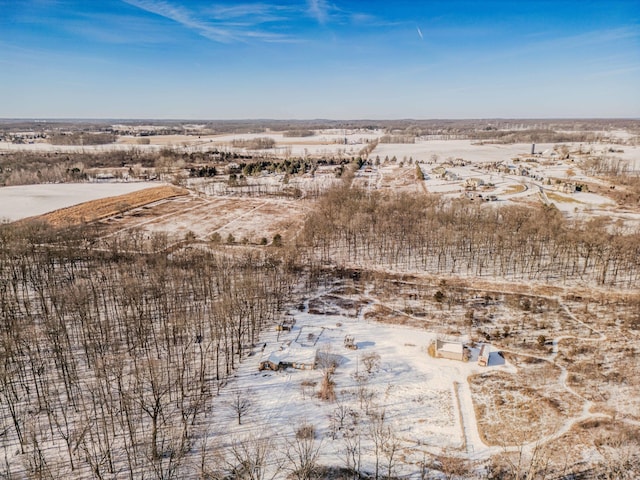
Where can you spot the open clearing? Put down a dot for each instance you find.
(246, 220)
(434, 406)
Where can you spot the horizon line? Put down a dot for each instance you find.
(260, 119)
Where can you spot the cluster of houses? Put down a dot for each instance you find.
(471, 195)
(508, 169)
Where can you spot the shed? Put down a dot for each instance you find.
(483, 356)
(452, 350)
(292, 356)
(349, 342)
(286, 325)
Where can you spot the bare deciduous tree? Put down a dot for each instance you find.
(302, 453)
(241, 404)
(254, 458)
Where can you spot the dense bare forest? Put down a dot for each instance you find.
(422, 233)
(117, 354)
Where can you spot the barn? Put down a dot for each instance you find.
(452, 350)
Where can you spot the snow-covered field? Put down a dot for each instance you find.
(426, 404)
(29, 200)
(444, 149)
(463, 161)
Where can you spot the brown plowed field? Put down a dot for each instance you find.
(107, 207)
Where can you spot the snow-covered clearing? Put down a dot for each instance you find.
(426, 402)
(246, 220)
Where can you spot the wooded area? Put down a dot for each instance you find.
(426, 233)
(117, 354)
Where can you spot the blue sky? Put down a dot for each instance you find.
(311, 59)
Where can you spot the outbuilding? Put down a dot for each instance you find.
(483, 356)
(291, 356)
(452, 350)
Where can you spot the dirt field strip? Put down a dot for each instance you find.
(465, 438)
(107, 207)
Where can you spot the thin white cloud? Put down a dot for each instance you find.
(184, 18)
(420, 33)
(116, 28)
(563, 44)
(318, 10)
(253, 21)
(219, 29)
(251, 12)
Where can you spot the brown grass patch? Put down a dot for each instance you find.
(514, 189)
(513, 408)
(107, 207)
(617, 441)
(561, 198)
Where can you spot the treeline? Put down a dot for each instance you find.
(397, 139)
(607, 166)
(301, 132)
(23, 168)
(625, 182)
(440, 236)
(64, 172)
(532, 136)
(204, 171)
(260, 143)
(291, 166)
(109, 359)
(81, 138)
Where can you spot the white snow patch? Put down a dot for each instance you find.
(29, 200)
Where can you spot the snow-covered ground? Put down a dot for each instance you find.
(462, 160)
(340, 143)
(29, 200)
(443, 149)
(426, 401)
